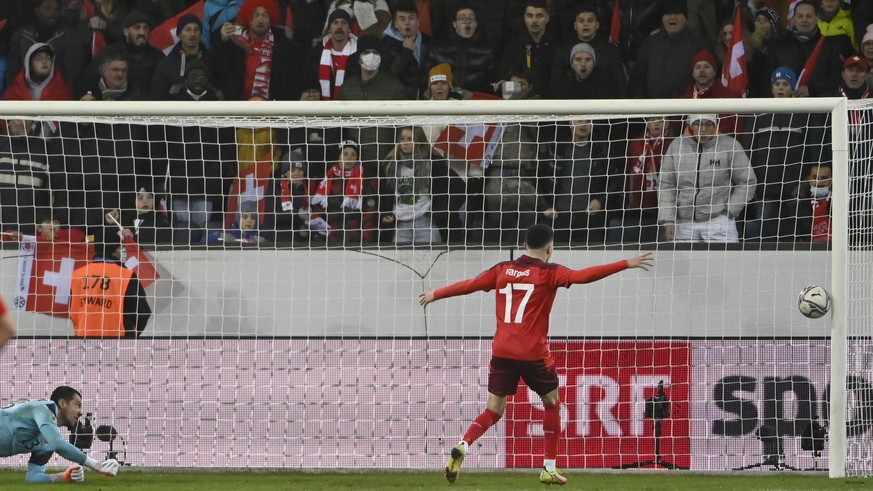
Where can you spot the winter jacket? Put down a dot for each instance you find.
(777, 144)
(608, 58)
(700, 182)
(69, 56)
(596, 86)
(171, 71)
(382, 87)
(840, 24)
(472, 60)
(663, 65)
(227, 65)
(23, 88)
(793, 51)
(24, 180)
(402, 62)
(520, 48)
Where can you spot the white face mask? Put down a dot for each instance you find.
(819, 192)
(370, 61)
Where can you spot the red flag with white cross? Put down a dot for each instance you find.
(44, 273)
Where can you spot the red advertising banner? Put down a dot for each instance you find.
(604, 387)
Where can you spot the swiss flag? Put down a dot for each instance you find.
(474, 143)
(250, 185)
(615, 25)
(809, 66)
(44, 274)
(734, 74)
(98, 40)
(163, 37)
(139, 263)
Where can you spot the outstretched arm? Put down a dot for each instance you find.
(482, 283)
(567, 277)
(48, 428)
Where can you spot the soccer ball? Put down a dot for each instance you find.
(814, 302)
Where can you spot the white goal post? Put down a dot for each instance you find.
(378, 316)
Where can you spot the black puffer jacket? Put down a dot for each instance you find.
(472, 60)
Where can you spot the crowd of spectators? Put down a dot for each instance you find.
(595, 181)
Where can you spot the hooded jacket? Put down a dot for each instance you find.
(699, 182)
(24, 88)
(69, 58)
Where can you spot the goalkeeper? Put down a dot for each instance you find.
(32, 427)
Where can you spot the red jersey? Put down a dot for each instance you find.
(526, 291)
(2, 306)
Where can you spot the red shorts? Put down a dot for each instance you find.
(503, 375)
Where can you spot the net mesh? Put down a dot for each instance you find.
(859, 283)
(285, 329)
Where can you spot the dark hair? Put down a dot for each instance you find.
(64, 392)
(109, 55)
(538, 236)
(586, 7)
(464, 6)
(522, 72)
(406, 6)
(537, 4)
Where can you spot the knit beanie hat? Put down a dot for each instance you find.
(440, 73)
(185, 20)
(583, 48)
(771, 16)
(868, 36)
(704, 55)
(784, 73)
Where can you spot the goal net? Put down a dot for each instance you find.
(282, 248)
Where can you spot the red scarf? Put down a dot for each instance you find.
(333, 68)
(821, 220)
(643, 174)
(351, 188)
(259, 63)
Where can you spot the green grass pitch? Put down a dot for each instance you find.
(139, 480)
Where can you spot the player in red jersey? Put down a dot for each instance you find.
(526, 289)
(7, 328)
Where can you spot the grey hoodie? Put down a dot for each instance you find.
(700, 182)
(37, 87)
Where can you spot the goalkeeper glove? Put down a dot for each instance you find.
(108, 467)
(74, 473)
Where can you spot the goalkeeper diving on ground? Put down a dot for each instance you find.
(33, 427)
(526, 289)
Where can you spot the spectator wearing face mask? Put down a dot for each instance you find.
(811, 218)
(370, 82)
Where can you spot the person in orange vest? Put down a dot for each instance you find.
(107, 299)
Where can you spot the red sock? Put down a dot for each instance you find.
(552, 430)
(480, 425)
